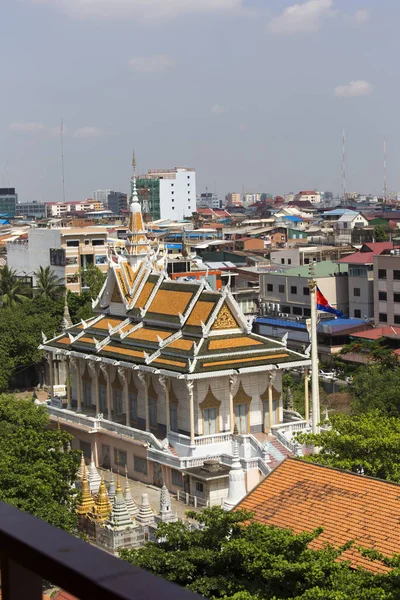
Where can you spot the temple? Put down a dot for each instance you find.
(168, 376)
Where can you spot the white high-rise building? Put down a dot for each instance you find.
(101, 196)
(168, 193)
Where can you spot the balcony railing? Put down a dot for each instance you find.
(32, 550)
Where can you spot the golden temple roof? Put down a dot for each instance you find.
(102, 505)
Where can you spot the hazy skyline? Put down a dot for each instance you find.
(252, 94)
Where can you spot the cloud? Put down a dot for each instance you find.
(358, 87)
(88, 132)
(360, 16)
(301, 18)
(217, 109)
(151, 64)
(22, 127)
(142, 9)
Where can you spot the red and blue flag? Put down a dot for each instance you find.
(324, 306)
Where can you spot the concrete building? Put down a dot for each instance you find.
(36, 210)
(8, 201)
(305, 255)
(101, 196)
(387, 288)
(233, 199)
(208, 200)
(249, 199)
(288, 293)
(66, 250)
(345, 226)
(60, 209)
(361, 279)
(117, 202)
(168, 193)
(308, 196)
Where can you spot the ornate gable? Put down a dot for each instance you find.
(210, 401)
(225, 319)
(241, 397)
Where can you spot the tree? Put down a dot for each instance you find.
(12, 290)
(376, 387)
(93, 278)
(36, 469)
(48, 284)
(380, 234)
(229, 557)
(367, 443)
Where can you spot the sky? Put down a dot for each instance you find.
(254, 94)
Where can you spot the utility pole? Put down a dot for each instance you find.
(314, 353)
(62, 159)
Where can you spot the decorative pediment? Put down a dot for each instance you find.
(117, 383)
(132, 389)
(241, 397)
(86, 375)
(210, 401)
(116, 296)
(275, 394)
(225, 319)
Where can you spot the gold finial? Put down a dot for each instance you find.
(87, 502)
(119, 488)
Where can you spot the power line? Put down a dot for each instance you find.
(62, 158)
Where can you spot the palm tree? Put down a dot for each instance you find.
(12, 289)
(48, 285)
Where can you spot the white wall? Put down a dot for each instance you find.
(178, 195)
(27, 258)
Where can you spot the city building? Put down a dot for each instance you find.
(305, 255)
(101, 196)
(361, 278)
(345, 226)
(233, 199)
(168, 193)
(387, 288)
(117, 202)
(167, 376)
(287, 293)
(30, 210)
(208, 200)
(249, 199)
(66, 250)
(60, 209)
(308, 196)
(8, 202)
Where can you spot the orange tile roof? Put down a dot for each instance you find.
(103, 323)
(200, 312)
(232, 342)
(64, 340)
(170, 302)
(149, 335)
(181, 344)
(174, 363)
(125, 351)
(144, 295)
(254, 358)
(301, 496)
(86, 340)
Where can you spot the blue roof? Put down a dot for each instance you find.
(174, 246)
(339, 212)
(4, 222)
(292, 218)
(329, 326)
(285, 323)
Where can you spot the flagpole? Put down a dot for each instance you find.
(314, 354)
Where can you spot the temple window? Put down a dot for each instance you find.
(133, 407)
(87, 394)
(153, 412)
(173, 417)
(102, 398)
(241, 418)
(119, 457)
(140, 464)
(117, 398)
(210, 416)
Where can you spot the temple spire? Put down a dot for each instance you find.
(145, 515)
(111, 487)
(236, 485)
(131, 505)
(102, 506)
(94, 477)
(87, 502)
(119, 519)
(137, 245)
(82, 469)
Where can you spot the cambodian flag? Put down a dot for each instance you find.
(323, 305)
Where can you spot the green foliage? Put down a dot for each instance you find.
(93, 278)
(370, 442)
(80, 305)
(232, 559)
(376, 387)
(380, 234)
(376, 351)
(21, 329)
(36, 471)
(48, 285)
(12, 290)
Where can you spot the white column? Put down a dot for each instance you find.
(93, 375)
(270, 403)
(190, 387)
(306, 398)
(143, 380)
(75, 364)
(232, 383)
(164, 384)
(68, 383)
(51, 374)
(106, 370)
(123, 377)
(314, 358)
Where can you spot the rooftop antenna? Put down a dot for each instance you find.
(62, 158)
(344, 167)
(384, 175)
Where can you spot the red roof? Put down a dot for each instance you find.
(307, 193)
(377, 333)
(205, 211)
(366, 255)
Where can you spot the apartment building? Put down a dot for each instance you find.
(305, 255)
(65, 250)
(387, 288)
(168, 193)
(59, 209)
(308, 196)
(288, 293)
